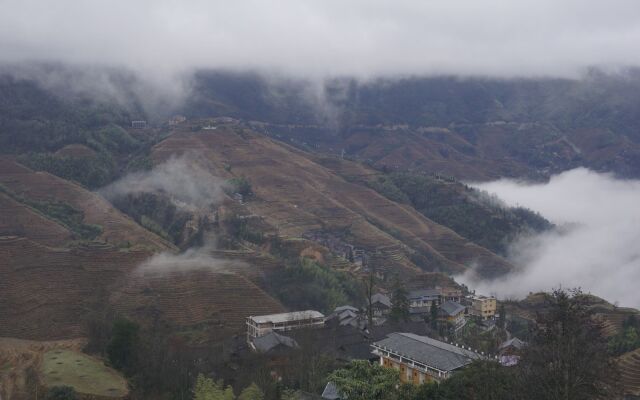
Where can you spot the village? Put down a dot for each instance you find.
(426, 349)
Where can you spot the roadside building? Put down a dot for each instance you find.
(450, 294)
(381, 304)
(138, 124)
(510, 351)
(261, 325)
(452, 313)
(273, 342)
(424, 298)
(422, 359)
(483, 307)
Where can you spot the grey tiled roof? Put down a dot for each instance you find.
(515, 342)
(451, 308)
(382, 299)
(429, 293)
(271, 340)
(428, 351)
(345, 308)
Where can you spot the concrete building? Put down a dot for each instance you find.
(423, 298)
(381, 304)
(261, 325)
(422, 359)
(483, 307)
(138, 124)
(452, 313)
(450, 294)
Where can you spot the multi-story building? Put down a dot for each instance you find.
(422, 359)
(450, 294)
(452, 313)
(483, 307)
(261, 325)
(423, 298)
(138, 124)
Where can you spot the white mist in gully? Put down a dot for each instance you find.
(596, 245)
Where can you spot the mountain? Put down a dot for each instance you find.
(470, 128)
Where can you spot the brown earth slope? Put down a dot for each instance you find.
(296, 194)
(117, 228)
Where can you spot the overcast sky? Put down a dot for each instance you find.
(327, 37)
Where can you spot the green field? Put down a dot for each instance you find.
(85, 374)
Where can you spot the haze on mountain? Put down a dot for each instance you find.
(159, 39)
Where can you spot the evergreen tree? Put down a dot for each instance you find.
(433, 315)
(363, 380)
(399, 303)
(567, 357)
(502, 322)
(252, 392)
(121, 347)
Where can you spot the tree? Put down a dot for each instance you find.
(361, 380)
(370, 284)
(399, 303)
(61, 393)
(251, 392)
(433, 315)
(207, 389)
(567, 357)
(121, 348)
(502, 318)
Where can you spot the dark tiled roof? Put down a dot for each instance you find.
(382, 299)
(515, 342)
(271, 340)
(428, 351)
(345, 308)
(451, 308)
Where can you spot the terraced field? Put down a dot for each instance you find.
(630, 372)
(295, 194)
(41, 186)
(216, 302)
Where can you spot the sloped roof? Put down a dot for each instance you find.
(451, 308)
(428, 351)
(272, 340)
(345, 308)
(382, 299)
(515, 342)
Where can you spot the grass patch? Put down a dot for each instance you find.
(85, 374)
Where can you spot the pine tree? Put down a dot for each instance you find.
(399, 303)
(252, 392)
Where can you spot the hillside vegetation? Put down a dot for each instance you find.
(469, 212)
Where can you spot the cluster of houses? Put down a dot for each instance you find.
(452, 307)
(418, 358)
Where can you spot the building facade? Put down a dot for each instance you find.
(421, 359)
(261, 325)
(483, 307)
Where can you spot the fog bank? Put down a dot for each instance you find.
(326, 38)
(595, 247)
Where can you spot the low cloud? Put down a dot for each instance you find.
(194, 259)
(188, 184)
(326, 38)
(595, 245)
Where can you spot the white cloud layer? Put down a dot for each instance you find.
(328, 37)
(597, 244)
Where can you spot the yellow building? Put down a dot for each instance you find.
(421, 359)
(483, 307)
